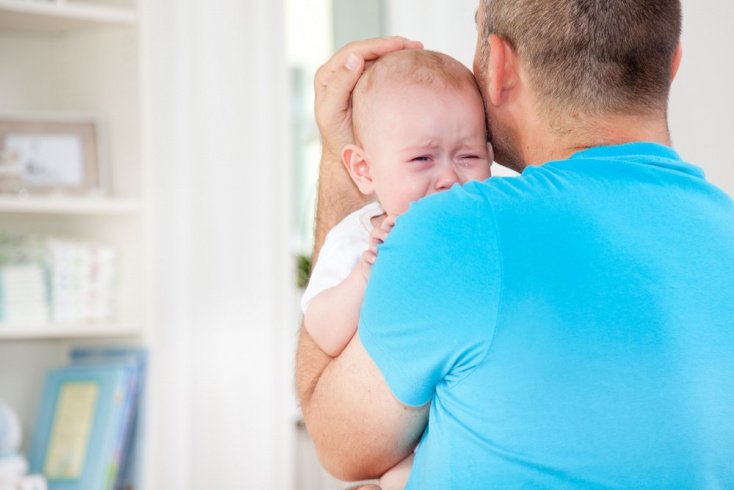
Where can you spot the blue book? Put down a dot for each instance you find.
(78, 425)
(128, 439)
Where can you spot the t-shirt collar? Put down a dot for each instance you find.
(643, 152)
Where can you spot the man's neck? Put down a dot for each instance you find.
(544, 142)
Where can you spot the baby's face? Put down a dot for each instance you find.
(423, 140)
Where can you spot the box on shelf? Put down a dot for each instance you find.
(82, 279)
(54, 280)
(23, 295)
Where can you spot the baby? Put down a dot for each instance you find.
(419, 128)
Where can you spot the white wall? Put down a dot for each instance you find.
(440, 25)
(702, 98)
(215, 98)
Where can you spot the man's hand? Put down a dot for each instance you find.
(335, 81)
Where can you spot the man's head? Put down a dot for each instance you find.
(419, 128)
(585, 58)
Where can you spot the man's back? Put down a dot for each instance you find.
(572, 327)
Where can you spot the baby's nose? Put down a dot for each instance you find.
(446, 178)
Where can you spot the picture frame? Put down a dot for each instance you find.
(50, 154)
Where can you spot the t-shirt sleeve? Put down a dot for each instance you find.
(430, 307)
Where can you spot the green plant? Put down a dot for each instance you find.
(303, 270)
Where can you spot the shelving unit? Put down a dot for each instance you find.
(72, 331)
(70, 206)
(54, 16)
(76, 57)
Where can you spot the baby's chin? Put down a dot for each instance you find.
(396, 210)
(402, 208)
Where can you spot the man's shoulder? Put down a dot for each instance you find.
(466, 200)
(444, 209)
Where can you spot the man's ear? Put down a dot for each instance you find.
(353, 158)
(676, 60)
(504, 69)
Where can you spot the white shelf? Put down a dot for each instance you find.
(69, 331)
(69, 205)
(58, 16)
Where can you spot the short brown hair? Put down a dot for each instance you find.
(405, 67)
(591, 56)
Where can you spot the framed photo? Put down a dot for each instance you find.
(44, 154)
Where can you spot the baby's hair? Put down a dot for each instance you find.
(407, 67)
(419, 66)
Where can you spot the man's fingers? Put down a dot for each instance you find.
(345, 67)
(335, 81)
(371, 49)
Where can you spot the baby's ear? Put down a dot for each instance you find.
(353, 158)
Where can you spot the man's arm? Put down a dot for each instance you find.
(360, 429)
(358, 426)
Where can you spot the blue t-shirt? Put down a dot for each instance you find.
(572, 327)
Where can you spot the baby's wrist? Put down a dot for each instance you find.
(365, 268)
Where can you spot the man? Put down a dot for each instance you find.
(570, 328)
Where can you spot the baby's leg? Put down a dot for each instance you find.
(397, 477)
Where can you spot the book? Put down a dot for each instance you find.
(78, 425)
(128, 440)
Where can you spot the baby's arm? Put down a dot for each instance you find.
(332, 316)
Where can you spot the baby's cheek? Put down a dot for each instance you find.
(396, 206)
(481, 172)
(412, 194)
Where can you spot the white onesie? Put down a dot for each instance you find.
(342, 251)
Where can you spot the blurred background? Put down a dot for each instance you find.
(186, 192)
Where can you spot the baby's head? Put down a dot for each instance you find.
(419, 128)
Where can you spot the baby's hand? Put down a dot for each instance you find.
(378, 236)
